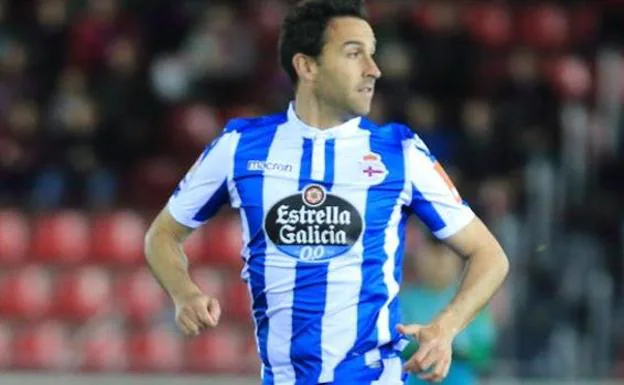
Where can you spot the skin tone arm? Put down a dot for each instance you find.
(486, 269)
(165, 257)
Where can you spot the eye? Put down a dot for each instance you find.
(353, 55)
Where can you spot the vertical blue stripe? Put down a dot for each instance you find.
(254, 144)
(310, 288)
(330, 157)
(425, 211)
(210, 208)
(380, 203)
(305, 167)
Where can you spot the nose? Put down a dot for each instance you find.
(372, 70)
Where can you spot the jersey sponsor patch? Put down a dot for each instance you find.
(313, 225)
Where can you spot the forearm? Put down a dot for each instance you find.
(166, 259)
(484, 274)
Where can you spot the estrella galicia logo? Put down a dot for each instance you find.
(313, 225)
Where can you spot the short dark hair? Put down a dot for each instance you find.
(303, 29)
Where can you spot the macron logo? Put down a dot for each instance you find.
(261, 165)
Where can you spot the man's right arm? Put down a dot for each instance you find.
(164, 253)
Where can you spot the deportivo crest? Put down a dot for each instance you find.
(313, 225)
(372, 168)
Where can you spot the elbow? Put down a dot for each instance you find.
(148, 241)
(504, 265)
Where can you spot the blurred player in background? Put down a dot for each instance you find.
(324, 195)
(437, 271)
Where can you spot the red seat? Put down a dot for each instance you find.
(14, 236)
(211, 282)
(570, 76)
(238, 303)
(42, 346)
(102, 348)
(139, 296)
(544, 26)
(6, 351)
(117, 238)
(157, 349)
(83, 294)
(251, 358)
(223, 242)
(216, 350)
(25, 293)
(490, 24)
(194, 247)
(61, 237)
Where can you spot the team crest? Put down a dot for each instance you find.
(313, 195)
(372, 168)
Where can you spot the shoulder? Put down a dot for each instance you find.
(242, 125)
(389, 131)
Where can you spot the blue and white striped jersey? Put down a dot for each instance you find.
(323, 214)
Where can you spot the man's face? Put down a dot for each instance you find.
(347, 72)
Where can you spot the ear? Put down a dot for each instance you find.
(305, 66)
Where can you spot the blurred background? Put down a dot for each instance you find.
(104, 104)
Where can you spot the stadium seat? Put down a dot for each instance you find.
(238, 305)
(83, 294)
(489, 24)
(117, 238)
(570, 76)
(544, 26)
(211, 281)
(251, 359)
(44, 346)
(14, 237)
(102, 348)
(223, 242)
(194, 247)
(216, 350)
(139, 296)
(158, 349)
(6, 350)
(61, 238)
(25, 293)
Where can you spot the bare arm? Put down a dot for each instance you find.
(165, 256)
(485, 272)
(486, 269)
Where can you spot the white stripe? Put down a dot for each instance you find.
(280, 270)
(391, 245)
(344, 277)
(234, 197)
(391, 374)
(318, 158)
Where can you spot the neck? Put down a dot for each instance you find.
(315, 113)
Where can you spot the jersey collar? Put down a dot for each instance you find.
(345, 129)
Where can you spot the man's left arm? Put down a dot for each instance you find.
(486, 269)
(436, 201)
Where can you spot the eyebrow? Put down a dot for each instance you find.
(356, 42)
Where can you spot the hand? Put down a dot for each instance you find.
(435, 351)
(196, 312)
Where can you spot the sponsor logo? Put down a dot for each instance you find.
(313, 225)
(261, 165)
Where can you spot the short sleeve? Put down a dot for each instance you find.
(435, 200)
(204, 188)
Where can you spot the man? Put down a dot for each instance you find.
(324, 195)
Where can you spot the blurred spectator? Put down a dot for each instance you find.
(74, 160)
(438, 272)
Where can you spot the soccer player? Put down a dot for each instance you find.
(324, 195)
